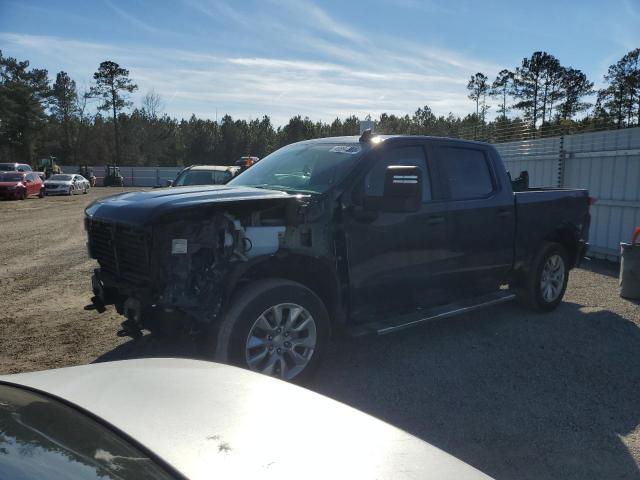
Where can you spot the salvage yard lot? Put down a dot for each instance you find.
(515, 394)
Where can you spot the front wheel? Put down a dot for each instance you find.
(275, 327)
(547, 279)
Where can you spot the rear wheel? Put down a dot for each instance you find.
(547, 279)
(41, 194)
(276, 327)
(23, 195)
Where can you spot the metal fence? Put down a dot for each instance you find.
(134, 176)
(607, 163)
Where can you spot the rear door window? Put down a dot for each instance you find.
(466, 172)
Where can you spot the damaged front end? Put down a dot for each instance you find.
(173, 273)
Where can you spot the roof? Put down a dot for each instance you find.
(210, 420)
(356, 139)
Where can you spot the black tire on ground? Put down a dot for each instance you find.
(84, 190)
(530, 293)
(23, 195)
(41, 194)
(249, 304)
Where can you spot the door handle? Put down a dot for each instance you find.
(504, 213)
(435, 220)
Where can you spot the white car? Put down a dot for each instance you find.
(66, 184)
(188, 419)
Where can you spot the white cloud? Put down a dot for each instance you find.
(309, 63)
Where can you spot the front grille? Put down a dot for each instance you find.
(51, 187)
(121, 250)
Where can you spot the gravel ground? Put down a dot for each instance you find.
(516, 394)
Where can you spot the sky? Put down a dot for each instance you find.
(321, 59)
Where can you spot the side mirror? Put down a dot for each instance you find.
(169, 183)
(402, 188)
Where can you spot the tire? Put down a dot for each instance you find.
(23, 195)
(258, 303)
(535, 294)
(41, 194)
(85, 190)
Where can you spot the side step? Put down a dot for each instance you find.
(423, 316)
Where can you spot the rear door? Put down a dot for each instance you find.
(481, 214)
(396, 258)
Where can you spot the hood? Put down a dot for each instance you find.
(209, 420)
(147, 207)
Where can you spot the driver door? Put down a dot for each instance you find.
(396, 259)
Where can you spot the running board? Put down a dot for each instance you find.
(436, 313)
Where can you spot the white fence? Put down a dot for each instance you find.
(606, 163)
(134, 176)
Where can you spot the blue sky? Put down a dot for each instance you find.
(316, 58)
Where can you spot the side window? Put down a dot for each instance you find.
(466, 171)
(414, 156)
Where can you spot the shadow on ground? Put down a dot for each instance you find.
(515, 394)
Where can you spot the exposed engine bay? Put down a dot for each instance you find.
(190, 257)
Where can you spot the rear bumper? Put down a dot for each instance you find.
(57, 191)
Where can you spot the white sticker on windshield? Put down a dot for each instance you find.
(351, 149)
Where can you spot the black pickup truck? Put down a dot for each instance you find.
(360, 235)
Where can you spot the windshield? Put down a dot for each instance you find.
(60, 177)
(11, 177)
(43, 438)
(309, 168)
(202, 177)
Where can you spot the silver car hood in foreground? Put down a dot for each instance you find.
(214, 421)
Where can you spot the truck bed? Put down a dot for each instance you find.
(538, 208)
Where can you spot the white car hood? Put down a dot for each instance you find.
(214, 421)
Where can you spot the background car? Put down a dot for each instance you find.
(66, 184)
(15, 167)
(20, 185)
(204, 175)
(179, 418)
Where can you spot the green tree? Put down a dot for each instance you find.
(112, 84)
(479, 87)
(501, 88)
(620, 99)
(575, 86)
(24, 95)
(532, 82)
(64, 108)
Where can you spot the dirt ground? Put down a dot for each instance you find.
(515, 394)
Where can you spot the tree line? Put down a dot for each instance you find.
(39, 118)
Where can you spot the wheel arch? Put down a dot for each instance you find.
(316, 274)
(567, 236)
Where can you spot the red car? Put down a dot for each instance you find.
(20, 185)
